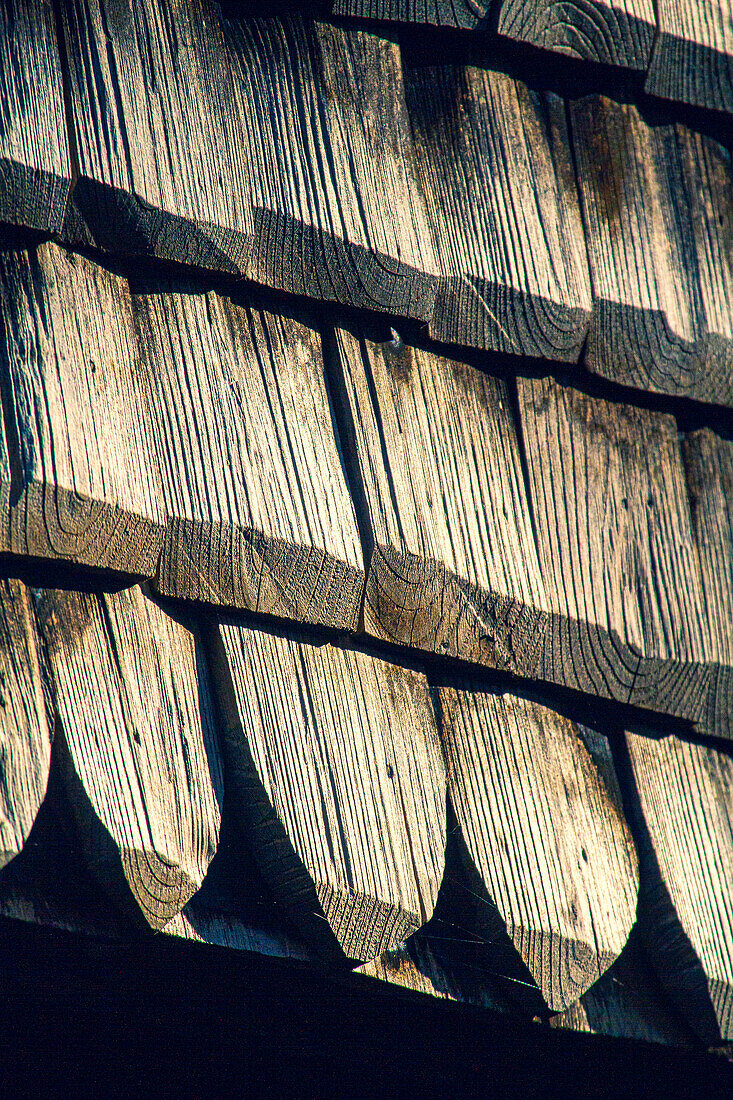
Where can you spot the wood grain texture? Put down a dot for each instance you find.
(692, 58)
(628, 1003)
(81, 462)
(339, 777)
(25, 734)
(685, 804)
(258, 511)
(555, 860)
(708, 460)
(35, 170)
(138, 750)
(617, 551)
(162, 162)
(337, 209)
(463, 14)
(494, 164)
(658, 214)
(453, 566)
(277, 149)
(610, 32)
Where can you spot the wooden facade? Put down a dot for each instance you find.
(366, 527)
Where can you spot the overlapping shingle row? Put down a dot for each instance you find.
(387, 454)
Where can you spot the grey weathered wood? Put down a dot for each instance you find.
(274, 148)
(555, 859)
(685, 802)
(657, 210)
(337, 208)
(464, 14)
(258, 511)
(611, 32)
(692, 58)
(617, 552)
(138, 746)
(494, 164)
(708, 460)
(162, 162)
(173, 434)
(628, 1003)
(336, 764)
(82, 465)
(35, 169)
(25, 735)
(453, 566)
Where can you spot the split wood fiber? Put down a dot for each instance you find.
(494, 165)
(463, 14)
(337, 209)
(35, 168)
(258, 511)
(693, 53)
(619, 556)
(685, 810)
(609, 32)
(658, 209)
(82, 462)
(453, 567)
(172, 433)
(276, 149)
(549, 856)
(138, 747)
(25, 734)
(336, 762)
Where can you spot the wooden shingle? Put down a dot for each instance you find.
(693, 53)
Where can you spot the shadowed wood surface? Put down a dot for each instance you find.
(627, 1002)
(138, 746)
(708, 462)
(83, 485)
(162, 161)
(494, 165)
(25, 736)
(339, 777)
(464, 14)
(453, 565)
(657, 209)
(685, 799)
(693, 53)
(618, 553)
(337, 211)
(610, 32)
(555, 860)
(35, 170)
(258, 510)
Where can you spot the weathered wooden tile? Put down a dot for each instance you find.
(464, 14)
(337, 210)
(162, 161)
(138, 750)
(692, 58)
(278, 149)
(708, 460)
(259, 513)
(35, 170)
(658, 211)
(555, 866)
(336, 762)
(25, 736)
(610, 32)
(453, 566)
(494, 164)
(617, 552)
(685, 802)
(628, 1003)
(83, 485)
